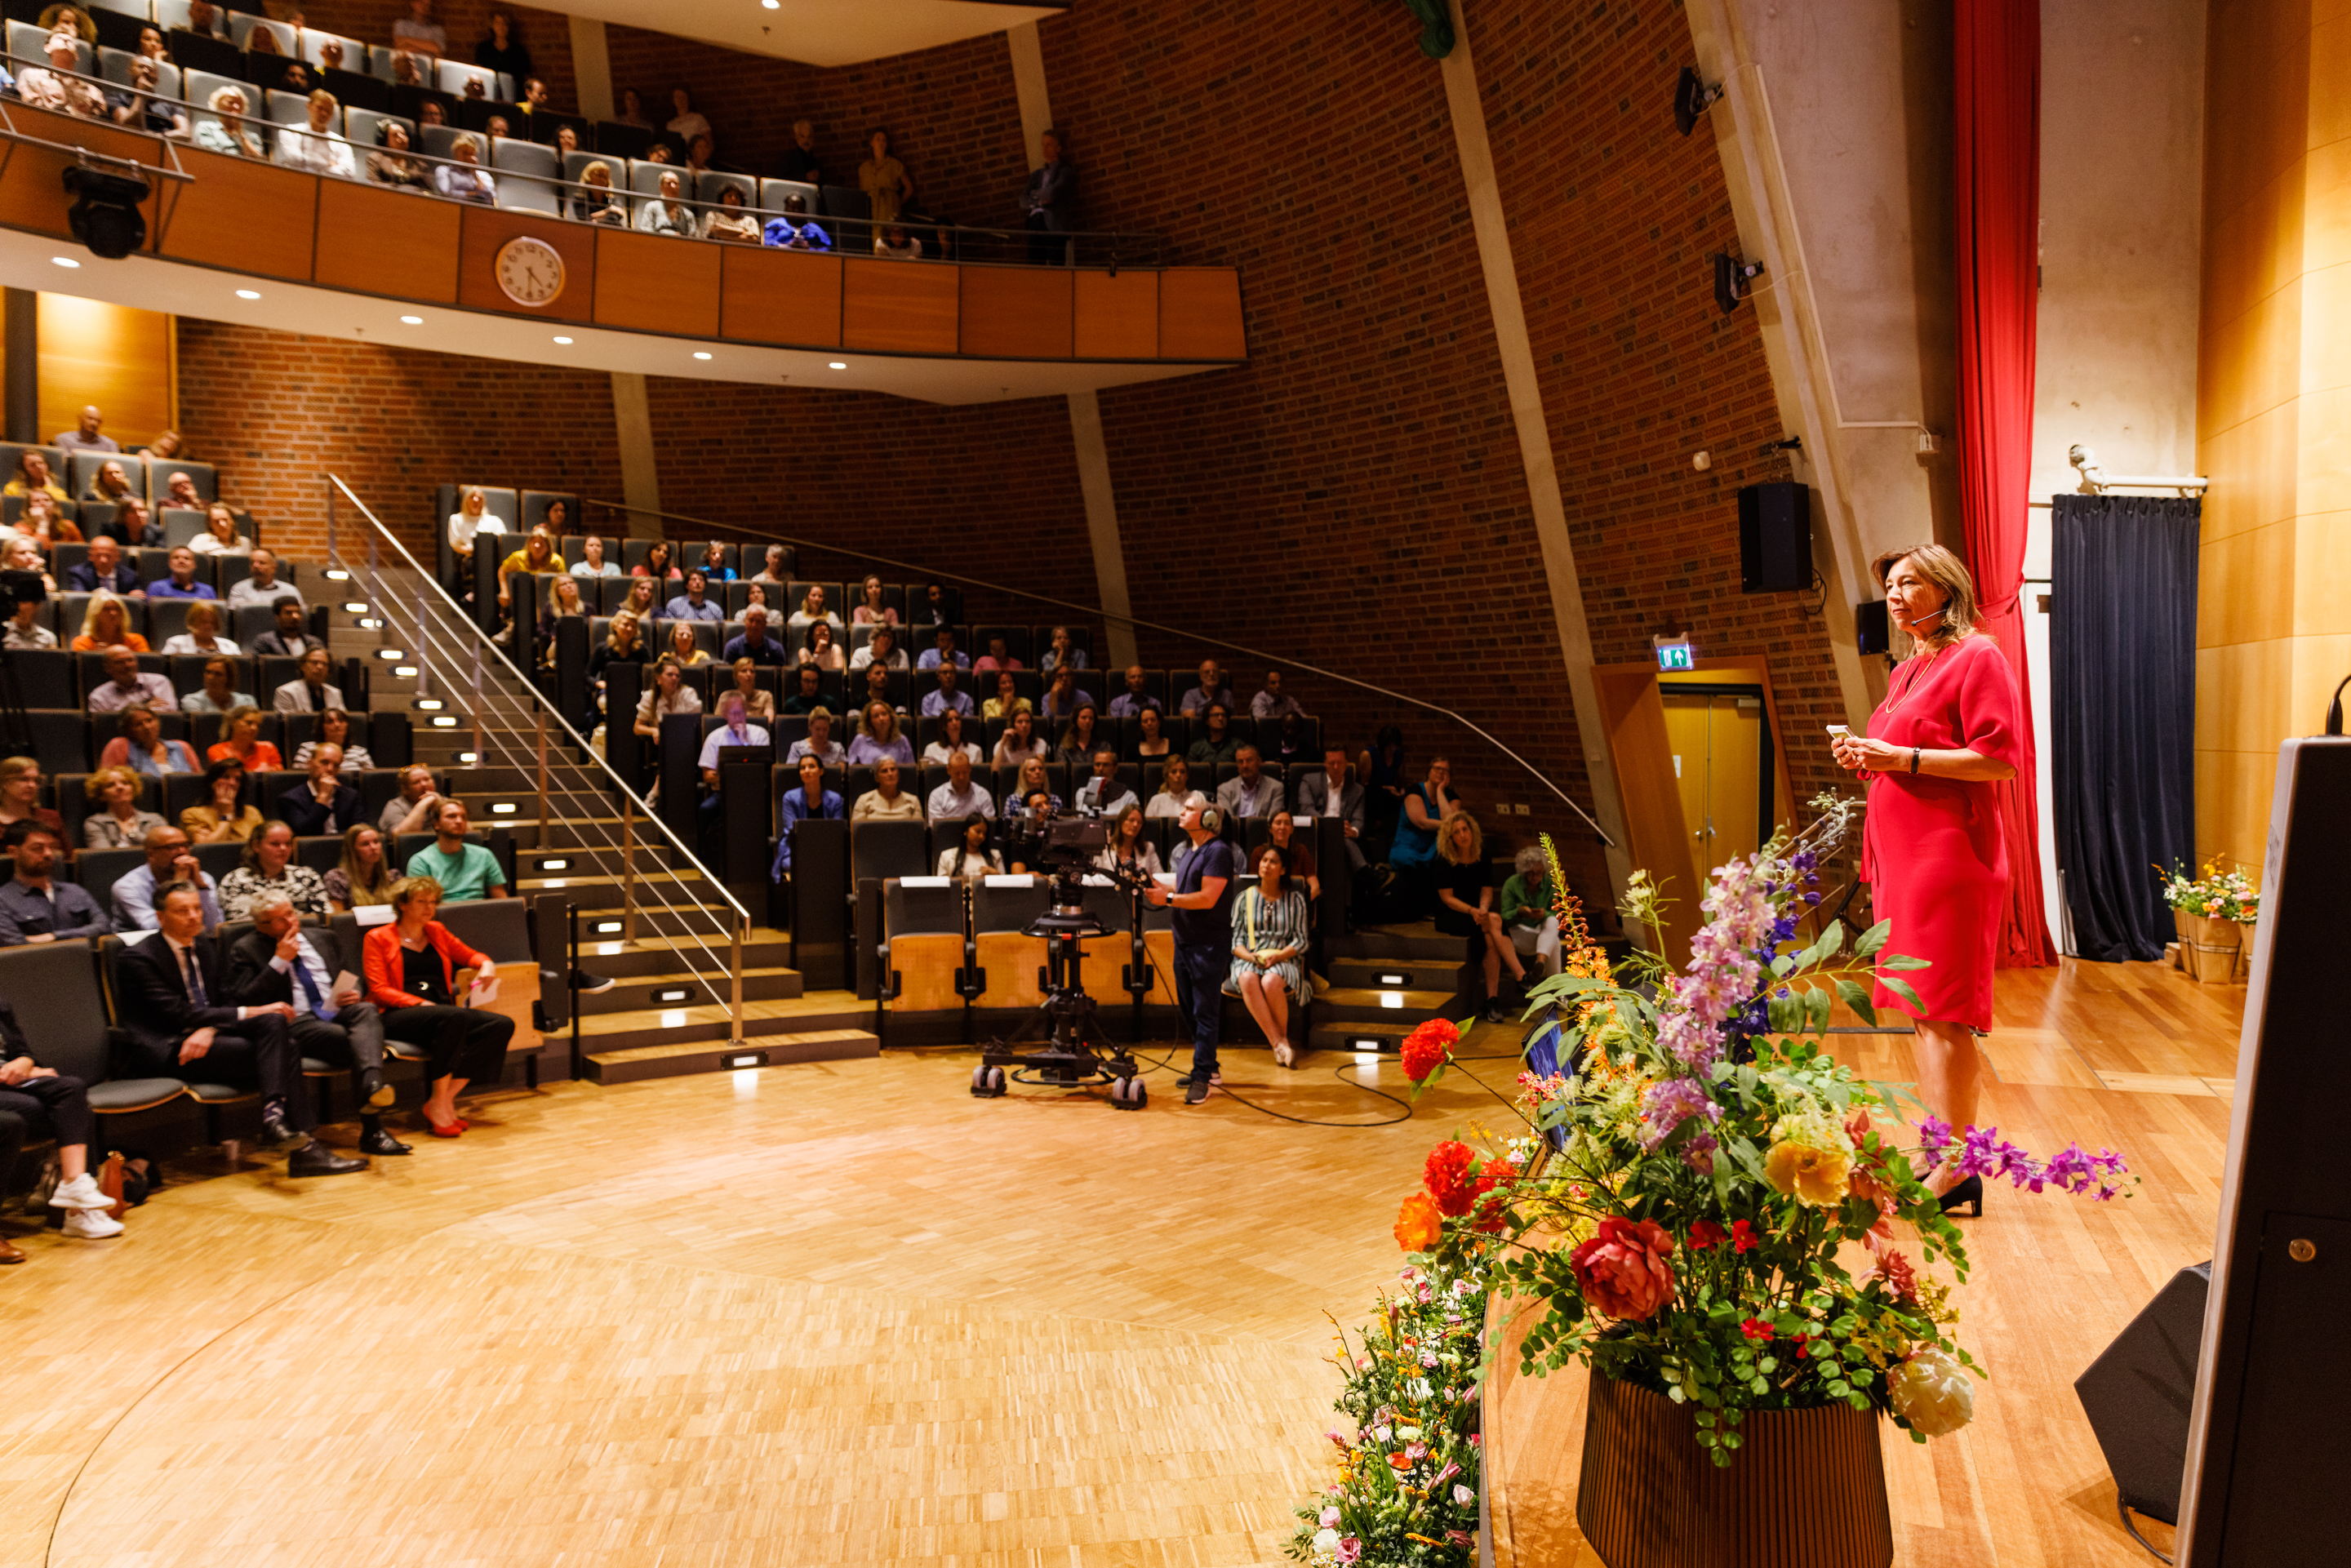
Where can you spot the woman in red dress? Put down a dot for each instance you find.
(1932, 849)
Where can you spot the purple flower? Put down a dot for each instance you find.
(1699, 1153)
(1934, 1137)
(1667, 1104)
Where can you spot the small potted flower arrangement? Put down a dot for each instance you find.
(1704, 1208)
(2211, 912)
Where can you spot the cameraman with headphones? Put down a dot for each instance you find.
(1202, 906)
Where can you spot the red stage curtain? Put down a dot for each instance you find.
(1997, 184)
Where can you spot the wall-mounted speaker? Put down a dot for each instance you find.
(1775, 537)
(1871, 628)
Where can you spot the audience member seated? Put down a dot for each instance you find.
(1413, 855)
(88, 433)
(947, 699)
(463, 180)
(870, 611)
(879, 737)
(1061, 654)
(461, 870)
(240, 742)
(1252, 792)
(104, 570)
(416, 808)
(1079, 740)
(657, 564)
(37, 1096)
(563, 604)
(1102, 795)
(315, 148)
(758, 704)
(473, 517)
(278, 963)
(953, 724)
(752, 642)
(1128, 850)
(43, 525)
(19, 553)
(959, 797)
(32, 477)
(180, 493)
(182, 583)
(34, 906)
(1270, 931)
(943, 654)
(1287, 832)
(1211, 689)
(286, 639)
(812, 610)
(737, 730)
(1063, 698)
(1317, 797)
(229, 133)
(592, 561)
(594, 201)
(202, 635)
(220, 536)
(536, 555)
(881, 648)
(1136, 698)
(140, 747)
(894, 243)
(363, 877)
(169, 861)
(667, 694)
(886, 802)
(807, 694)
(132, 526)
(622, 645)
(793, 229)
(105, 624)
(996, 659)
(166, 445)
(971, 859)
(684, 646)
(222, 819)
(20, 797)
(1272, 702)
(269, 867)
(695, 603)
(1464, 905)
(818, 651)
(57, 87)
(1020, 741)
(771, 570)
(1216, 744)
(668, 214)
(819, 742)
(127, 685)
(1008, 699)
(260, 586)
(109, 485)
(322, 804)
(730, 222)
(1174, 784)
(1034, 784)
(811, 801)
(1529, 910)
(413, 966)
(334, 729)
(308, 692)
(391, 163)
(22, 629)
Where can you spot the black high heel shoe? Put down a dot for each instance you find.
(1968, 1192)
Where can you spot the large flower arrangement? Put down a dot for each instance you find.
(1711, 1169)
(2217, 895)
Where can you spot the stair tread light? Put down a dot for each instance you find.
(411, 320)
(701, 353)
(65, 261)
(840, 365)
(564, 341)
(248, 294)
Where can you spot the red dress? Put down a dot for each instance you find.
(1932, 850)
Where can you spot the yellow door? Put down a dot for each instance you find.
(1718, 745)
(1686, 733)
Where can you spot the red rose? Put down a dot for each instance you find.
(1623, 1268)
(1706, 1233)
(1743, 1237)
(1447, 1177)
(1425, 1049)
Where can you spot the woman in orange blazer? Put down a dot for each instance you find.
(411, 978)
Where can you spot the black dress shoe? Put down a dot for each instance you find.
(376, 1141)
(315, 1159)
(275, 1133)
(374, 1093)
(1968, 1194)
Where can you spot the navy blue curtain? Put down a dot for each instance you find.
(2122, 653)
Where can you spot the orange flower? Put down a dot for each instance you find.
(1418, 1223)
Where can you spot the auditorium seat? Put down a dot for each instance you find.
(54, 988)
(710, 183)
(242, 26)
(1001, 908)
(526, 171)
(60, 737)
(288, 107)
(456, 74)
(885, 850)
(44, 677)
(24, 47)
(438, 141)
(360, 124)
(213, 1097)
(534, 503)
(614, 140)
(924, 948)
(83, 466)
(99, 869)
(114, 66)
(355, 89)
(774, 193)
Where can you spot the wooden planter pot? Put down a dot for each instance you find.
(1807, 1489)
(2210, 947)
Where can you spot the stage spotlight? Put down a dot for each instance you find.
(1692, 97)
(105, 215)
(1731, 281)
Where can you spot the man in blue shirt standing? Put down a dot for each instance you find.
(1201, 911)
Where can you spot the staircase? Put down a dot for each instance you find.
(684, 953)
(1384, 980)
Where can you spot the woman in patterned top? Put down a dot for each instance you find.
(1269, 951)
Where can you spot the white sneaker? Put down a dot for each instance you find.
(1283, 1054)
(91, 1224)
(80, 1194)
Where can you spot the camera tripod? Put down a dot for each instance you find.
(1075, 1050)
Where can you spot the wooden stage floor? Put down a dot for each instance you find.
(847, 1314)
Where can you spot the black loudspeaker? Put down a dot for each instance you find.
(1871, 628)
(2138, 1392)
(1775, 537)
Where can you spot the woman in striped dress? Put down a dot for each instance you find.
(1269, 951)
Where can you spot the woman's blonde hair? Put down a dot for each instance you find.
(97, 603)
(1445, 838)
(208, 607)
(408, 889)
(1946, 572)
(364, 890)
(237, 715)
(1170, 768)
(100, 780)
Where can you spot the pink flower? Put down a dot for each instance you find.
(1623, 1268)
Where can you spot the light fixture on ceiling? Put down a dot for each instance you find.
(248, 294)
(564, 341)
(701, 353)
(411, 320)
(65, 261)
(771, 4)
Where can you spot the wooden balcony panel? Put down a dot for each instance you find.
(32, 183)
(1118, 318)
(899, 307)
(1200, 314)
(242, 215)
(653, 283)
(380, 241)
(780, 296)
(1018, 312)
(485, 229)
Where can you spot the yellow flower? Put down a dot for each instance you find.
(1932, 1392)
(1809, 1176)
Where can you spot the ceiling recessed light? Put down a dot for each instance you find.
(65, 261)
(701, 353)
(564, 341)
(840, 365)
(771, 4)
(248, 294)
(411, 320)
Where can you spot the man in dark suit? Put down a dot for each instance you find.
(322, 804)
(1314, 799)
(279, 962)
(106, 569)
(174, 1004)
(1049, 205)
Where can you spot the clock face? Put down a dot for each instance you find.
(529, 271)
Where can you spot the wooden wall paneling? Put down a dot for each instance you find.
(780, 296)
(1118, 318)
(1659, 840)
(899, 306)
(379, 241)
(654, 284)
(1200, 314)
(1018, 312)
(32, 185)
(241, 217)
(485, 229)
(110, 355)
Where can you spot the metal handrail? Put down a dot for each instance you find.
(715, 531)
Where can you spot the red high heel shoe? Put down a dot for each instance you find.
(440, 1131)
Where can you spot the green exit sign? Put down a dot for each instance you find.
(1674, 653)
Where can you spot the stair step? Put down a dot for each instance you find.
(601, 893)
(1339, 1036)
(653, 955)
(650, 858)
(1342, 1005)
(680, 1058)
(638, 1028)
(1423, 942)
(652, 992)
(1396, 974)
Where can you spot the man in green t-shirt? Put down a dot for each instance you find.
(463, 871)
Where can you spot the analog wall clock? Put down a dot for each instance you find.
(531, 271)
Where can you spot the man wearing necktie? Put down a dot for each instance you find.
(183, 1022)
(279, 962)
